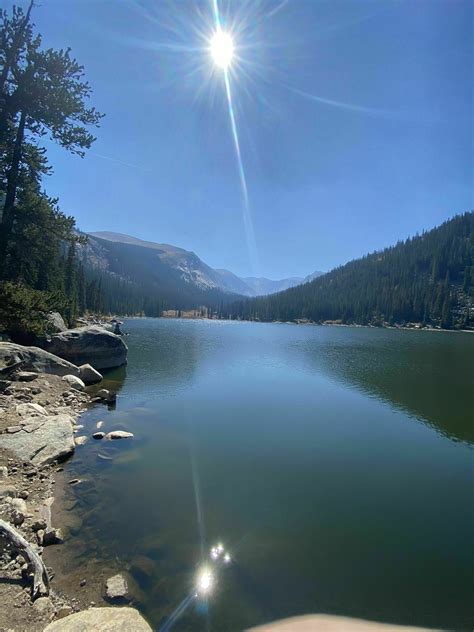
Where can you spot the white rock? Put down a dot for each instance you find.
(81, 440)
(74, 382)
(30, 409)
(118, 434)
(101, 620)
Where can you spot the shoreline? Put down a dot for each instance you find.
(37, 499)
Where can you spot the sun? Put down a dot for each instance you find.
(222, 49)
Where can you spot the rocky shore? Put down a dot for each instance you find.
(41, 398)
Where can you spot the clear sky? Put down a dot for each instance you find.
(354, 121)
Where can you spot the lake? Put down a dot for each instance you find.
(334, 464)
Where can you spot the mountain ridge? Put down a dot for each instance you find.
(194, 270)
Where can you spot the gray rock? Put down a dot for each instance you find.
(14, 429)
(98, 435)
(44, 607)
(52, 536)
(116, 588)
(94, 345)
(8, 490)
(39, 524)
(35, 359)
(30, 409)
(3, 472)
(17, 510)
(75, 382)
(101, 620)
(53, 440)
(56, 323)
(64, 611)
(26, 376)
(118, 434)
(103, 393)
(81, 440)
(89, 375)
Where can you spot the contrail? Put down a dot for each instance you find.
(118, 161)
(248, 224)
(345, 106)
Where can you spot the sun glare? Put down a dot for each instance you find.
(222, 49)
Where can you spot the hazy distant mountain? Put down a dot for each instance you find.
(261, 286)
(188, 267)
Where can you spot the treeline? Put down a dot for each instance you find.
(42, 93)
(426, 279)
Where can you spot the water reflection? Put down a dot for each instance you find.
(332, 501)
(423, 373)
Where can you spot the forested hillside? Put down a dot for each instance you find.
(133, 279)
(426, 279)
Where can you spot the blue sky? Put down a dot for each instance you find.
(354, 120)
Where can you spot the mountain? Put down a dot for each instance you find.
(426, 279)
(130, 278)
(261, 286)
(191, 269)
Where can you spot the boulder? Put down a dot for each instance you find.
(75, 382)
(81, 440)
(102, 348)
(35, 359)
(56, 323)
(118, 434)
(116, 588)
(101, 620)
(89, 375)
(52, 440)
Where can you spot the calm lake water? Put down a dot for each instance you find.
(335, 464)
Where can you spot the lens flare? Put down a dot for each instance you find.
(222, 49)
(204, 582)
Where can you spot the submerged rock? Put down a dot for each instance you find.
(89, 375)
(142, 567)
(35, 359)
(95, 345)
(101, 620)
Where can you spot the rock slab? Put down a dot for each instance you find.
(53, 439)
(94, 345)
(101, 620)
(35, 359)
